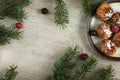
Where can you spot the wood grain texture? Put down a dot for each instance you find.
(43, 43)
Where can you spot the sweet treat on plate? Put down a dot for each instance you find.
(104, 31)
(116, 18)
(104, 11)
(116, 39)
(108, 47)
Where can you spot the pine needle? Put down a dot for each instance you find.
(106, 74)
(13, 9)
(61, 14)
(85, 68)
(63, 67)
(8, 33)
(11, 73)
(89, 6)
(64, 64)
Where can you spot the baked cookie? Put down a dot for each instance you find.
(116, 39)
(116, 18)
(104, 11)
(107, 47)
(103, 31)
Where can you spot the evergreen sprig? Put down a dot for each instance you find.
(13, 9)
(89, 6)
(85, 68)
(64, 68)
(61, 13)
(64, 64)
(18, 15)
(11, 73)
(8, 33)
(106, 74)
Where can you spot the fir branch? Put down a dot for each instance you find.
(89, 5)
(8, 33)
(62, 70)
(13, 9)
(61, 67)
(61, 14)
(17, 15)
(106, 74)
(4, 41)
(7, 6)
(86, 67)
(15, 3)
(11, 73)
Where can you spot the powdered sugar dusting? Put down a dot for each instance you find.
(109, 14)
(109, 45)
(107, 31)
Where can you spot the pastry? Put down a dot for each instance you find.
(116, 18)
(108, 47)
(116, 39)
(103, 31)
(104, 11)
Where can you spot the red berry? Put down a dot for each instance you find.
(83, 56)
(93, 32)
(19, 25)
(115, 29)
(44, 10)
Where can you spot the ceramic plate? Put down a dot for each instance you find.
(92, 23)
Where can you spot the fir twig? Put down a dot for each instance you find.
(106, 74)
(85, 68)
(89, 5)
(11, 73)
(18, 15)
(8, 33)
(61, 67)
(61, 13)
(13, 9)
(14, 2)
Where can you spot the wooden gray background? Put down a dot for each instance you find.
(43, 43)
